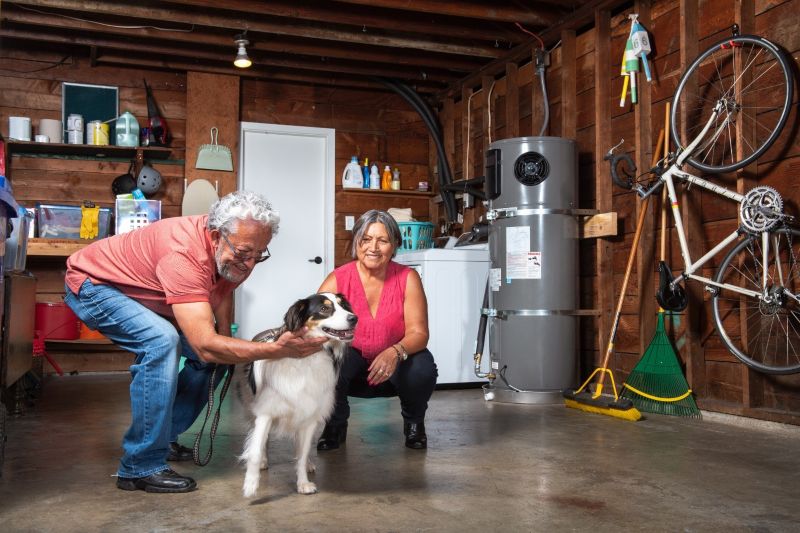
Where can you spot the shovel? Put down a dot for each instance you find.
(213, 156)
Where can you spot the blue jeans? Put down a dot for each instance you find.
(164, 403)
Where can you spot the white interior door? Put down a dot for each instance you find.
(293, 167)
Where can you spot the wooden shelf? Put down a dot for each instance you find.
(86, 150)
(93, 342)
(372, 192)
(55, 247)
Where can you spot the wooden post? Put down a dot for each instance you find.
(746, 178)
(644, 154)
(602, 136)
(569, 94)
(512, 101)
(690, 212)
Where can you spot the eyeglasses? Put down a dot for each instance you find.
(244, 257)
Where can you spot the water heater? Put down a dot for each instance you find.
(533, 280)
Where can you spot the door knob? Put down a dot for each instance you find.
(316, 260)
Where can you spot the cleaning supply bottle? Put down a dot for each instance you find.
(127, 130)
(352, 177)
(374, 178)
(386, 178)
(396, 179)
(366, 172)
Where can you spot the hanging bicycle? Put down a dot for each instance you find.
(743, 98)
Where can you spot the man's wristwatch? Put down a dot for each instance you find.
(402, 355)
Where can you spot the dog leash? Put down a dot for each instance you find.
(215, 423)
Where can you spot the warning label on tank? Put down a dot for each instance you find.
(495, 279)
(521, 262)
(526, 265)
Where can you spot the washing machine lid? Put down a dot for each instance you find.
(464, 253)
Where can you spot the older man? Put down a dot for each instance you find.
(166, 290)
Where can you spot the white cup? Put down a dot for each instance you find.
(42, 138)
(19, 128)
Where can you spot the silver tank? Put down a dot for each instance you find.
(533, 243)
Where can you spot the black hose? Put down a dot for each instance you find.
(483, 320)
(445, 175)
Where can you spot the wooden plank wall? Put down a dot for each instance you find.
(679, 29)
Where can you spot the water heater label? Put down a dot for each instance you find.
(521, 262)
(495, 278)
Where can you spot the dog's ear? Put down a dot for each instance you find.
(296, 316)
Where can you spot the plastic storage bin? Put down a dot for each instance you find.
(133, 214)
(17, 242)
(64, 221)
(415, 236)
(56, 321)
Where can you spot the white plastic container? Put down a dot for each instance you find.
(352, 177)
(374, 178)
(127, 130)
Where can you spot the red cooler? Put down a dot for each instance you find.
(56, 321)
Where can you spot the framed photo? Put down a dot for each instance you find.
(92, 102)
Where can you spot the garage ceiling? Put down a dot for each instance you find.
(431, 45)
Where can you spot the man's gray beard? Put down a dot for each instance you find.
(225, 270)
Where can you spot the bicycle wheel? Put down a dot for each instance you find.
(752, 80)
(763, 332)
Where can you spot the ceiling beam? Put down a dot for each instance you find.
(257, 73)
(363, 19)
(306, 47)
(163, 16)
(496, 13)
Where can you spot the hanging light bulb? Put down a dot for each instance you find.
(242, 60)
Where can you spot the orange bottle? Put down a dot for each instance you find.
(386, 178)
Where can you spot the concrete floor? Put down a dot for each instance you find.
(489, 467)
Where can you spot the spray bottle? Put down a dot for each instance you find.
(366, 173)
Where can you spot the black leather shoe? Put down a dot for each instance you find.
(331, 437)
(178, 452)
(165, 481)
(415, 435)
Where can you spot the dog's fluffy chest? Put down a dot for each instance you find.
(295, 390)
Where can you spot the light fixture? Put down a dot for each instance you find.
(242, 60)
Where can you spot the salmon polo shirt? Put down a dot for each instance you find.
(168, 262)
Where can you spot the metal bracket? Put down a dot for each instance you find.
(509, 212)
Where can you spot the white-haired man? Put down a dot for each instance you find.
(166, 290)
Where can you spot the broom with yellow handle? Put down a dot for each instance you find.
(597, 401)
(656, 384)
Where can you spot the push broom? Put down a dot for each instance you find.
(598, 402)
(656, 384)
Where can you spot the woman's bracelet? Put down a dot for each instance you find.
(402, 355)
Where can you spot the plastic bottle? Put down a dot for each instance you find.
(386, 178)
(396, 179)
(127, 130)
(374, 178)
(366, 172)
(352, 177)
(234, 329)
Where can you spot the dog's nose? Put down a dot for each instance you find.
(352, 319)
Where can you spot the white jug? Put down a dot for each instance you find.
(352, 177)
(127, 130)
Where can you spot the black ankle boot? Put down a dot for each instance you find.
(415, 435)
(331, 437)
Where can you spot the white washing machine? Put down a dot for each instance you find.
(454, 280)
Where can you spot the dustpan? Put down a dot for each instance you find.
(214, 156)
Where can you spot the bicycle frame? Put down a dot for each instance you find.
(674, 171)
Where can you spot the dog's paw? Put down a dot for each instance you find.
(250, 486)
(306, 488)
(264, 464)
(310, 467)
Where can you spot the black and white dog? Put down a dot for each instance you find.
(292, 397)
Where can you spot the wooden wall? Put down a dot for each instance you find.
(584, 85)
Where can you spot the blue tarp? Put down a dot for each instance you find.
(7, 201)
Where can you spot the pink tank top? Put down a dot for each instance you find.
(373, 335)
